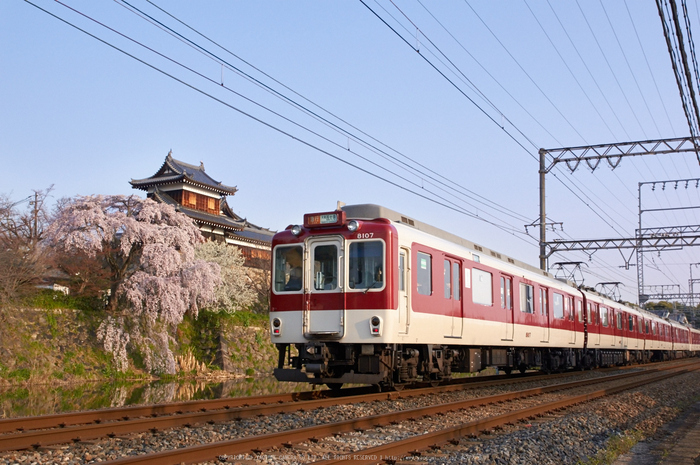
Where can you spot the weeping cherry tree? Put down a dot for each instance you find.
(155, 278)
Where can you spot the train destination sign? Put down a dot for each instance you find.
(324, 219)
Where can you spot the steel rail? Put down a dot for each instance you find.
(246, 445)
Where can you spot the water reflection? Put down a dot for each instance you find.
(46, 399)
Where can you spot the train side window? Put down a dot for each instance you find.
(482, 287)
(543, 301)
(288, 271)
(424, 274)
(527, 297)
(456, 283)
(447, 267)
(506, 293)
(569, 308)
(366, 265)
(558, 306)
(589, 314)
(631, 323)
(619, 317)
(604, 316)
(579, 310)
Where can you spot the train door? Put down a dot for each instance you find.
(453, 293)
(620, 318)
(571, 315)
(507, 306)
(544, 314)
(633, 331)
(404, 295)
(607, 318)
(593, 324)
(324, 310)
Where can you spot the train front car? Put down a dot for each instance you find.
(332, 300)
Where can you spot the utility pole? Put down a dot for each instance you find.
(692, 283)
(35, 226)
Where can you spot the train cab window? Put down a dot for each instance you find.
(424, 274)
(366, 265)
(288, 270)
(579, 310)
(558, 306)
(325, 263)
(527, 298)
(604, 316)
(506, 292)
(482, 287)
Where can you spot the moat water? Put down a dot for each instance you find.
(21, 401)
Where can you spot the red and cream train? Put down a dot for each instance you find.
(366, 295)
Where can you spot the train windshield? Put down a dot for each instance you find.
(288, 269)
(366, 265)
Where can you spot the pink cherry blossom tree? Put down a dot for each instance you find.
(149, 249)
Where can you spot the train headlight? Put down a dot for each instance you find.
(276, 327)
(375, 326)
(353, 225)
(296, 229)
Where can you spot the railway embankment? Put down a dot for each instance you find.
(60, 347)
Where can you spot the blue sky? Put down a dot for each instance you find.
(78, 114)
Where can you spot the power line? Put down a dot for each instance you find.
(271, 126)
(461, 189)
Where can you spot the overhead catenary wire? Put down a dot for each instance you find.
(587, 203)
(432, 177)
(275, 128)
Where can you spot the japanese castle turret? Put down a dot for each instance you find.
(196, 194)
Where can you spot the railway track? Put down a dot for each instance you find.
(286, 439)
(46, 430)
(313, 438)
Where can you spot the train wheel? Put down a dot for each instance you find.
(334, 386)
(508, 370)
(522, 368)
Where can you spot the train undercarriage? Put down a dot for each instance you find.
(394, 365)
